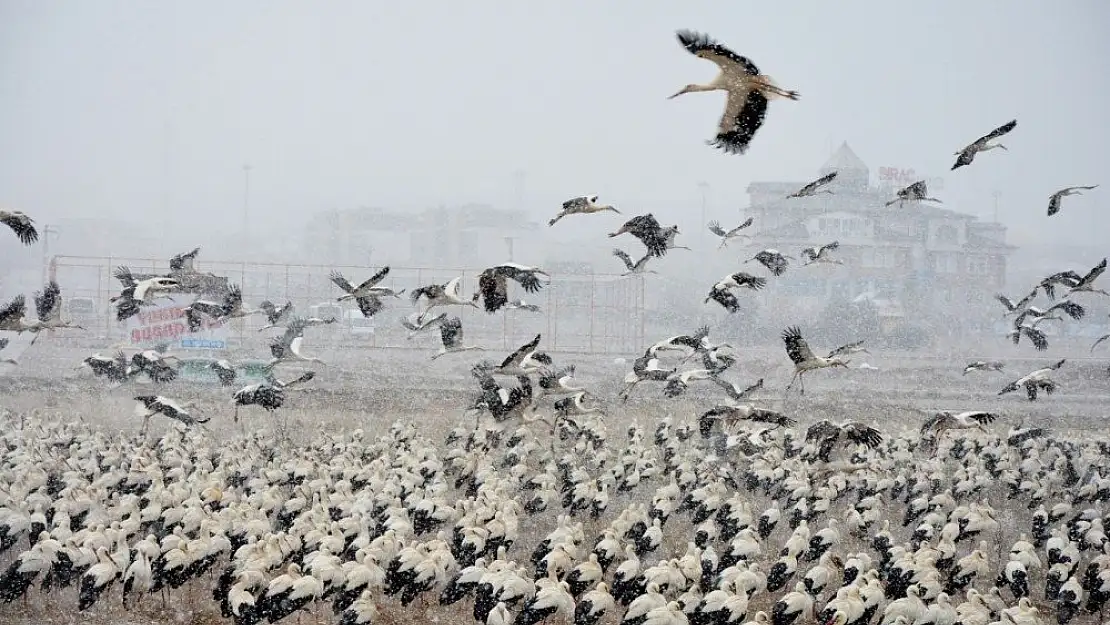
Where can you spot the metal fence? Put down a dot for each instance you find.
(592, 313)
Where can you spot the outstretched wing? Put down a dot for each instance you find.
(715, 228)
(518, 356)
(1094, 273)
(48, 302)
(341, 282)
(844, 350)
(576, 203)
(621, 254)
(746, 223)
(935, 422)
(184, 262)
(821, 431)
(862, 434)
(13, 312)
(997, 132)
(703, 46)
(374, 279)
(796, 346)
(21, 225)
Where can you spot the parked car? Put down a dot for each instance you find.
(200, 370)
(357, 325)
(80, 309)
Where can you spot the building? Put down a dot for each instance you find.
(919, 256)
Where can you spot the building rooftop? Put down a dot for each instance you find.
(844, 159)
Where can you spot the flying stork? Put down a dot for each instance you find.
(1086, 283)
(715, 228)
(145, 290)
(287, 347)
(22, 225)
(1067, 278)
(150, 405)
(416, 323)
(583, 205)
(826, 436)
(522, 305)
(1035, 381)
(493, 283)
(729, 416)
(573, 406)
(638, 267)
(441, 295)
(811, 189)
(723, 295)
(225, 371)
(735, 392)
(365, 289)
(645, 367)
(984, 365)
(849, 349)
(647, 229)
(804, 359)
(451, 334)
(555, 382)
(688, 344)
(773, 260)
(679, 381)
(748, 91)
(1068, 307)
(945, 420)
(127, 305)
(502, 403)
(117, 369)
(524, 361)
(275, 317)
(269, 394)
(820, 254)
(1013, 307)
(183, 263)
(1030, 331)
(154, 364)
(916, 192)
(1055, 198)
(982, 144)
(230, 308)
(48, 308)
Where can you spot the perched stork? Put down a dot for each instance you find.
(945, 420)
(1086, 283)
(715, 228)
(1035, 381)
(748, 91)
(916, 192)
(366, 289)
(451, 334)
(638, 267)
(493, 283)
(812, 188)
(722, 291)
(583, 205)
(820, 254)
(804, 359)
(645, 367)
(416, 323)
(648, 231)
(22, 225)
(183, 263)
(826, 436)
(275, 317)
(982, 144)
(150, 405)
(287, 347)
(441, 295)
(984, 365)
(230, 308)
(1055, 198)
(773, 260)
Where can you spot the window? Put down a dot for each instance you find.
(947, 235)
(945, 262)
(978, 266)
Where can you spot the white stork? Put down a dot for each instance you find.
(441, 295)
(1035, 381)
(524, 361)
(183, 263)
(150, 405)
(715, 228)
(1013, 307)
(1030, 331)
(982, 144)
(1055, 198)
(522, 305)
(814, 187)
(748, 91)
(287, 347)
(230, 308)
(451, 334)
(775, 261)
(848, 349)
(804, 359)
(638, 267)
(48, 306)
(574, 406)
(1068, 307)
(984, 365)
(22, 225)
(146, 290)
(366, 289)
(945, 420)
(584, 205)
(647, 229)
(729, 416)
(827, 436)
(688, 344)
(493, 283)
(645, 367)
(722, 290)
(820, 254)
(275, 316)
(916, 192)
(270, 394)
(417, 323)
(669, 235)
(1086, 283)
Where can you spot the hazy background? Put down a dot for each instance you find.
(147, 111)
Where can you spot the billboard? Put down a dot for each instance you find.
(164, 322)
(897, 177)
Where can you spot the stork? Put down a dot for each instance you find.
(150, 405)
(269, 394)
(1068, 307)
(1030, 331)
(48, 306)
(441, 295)
(715, 228)
(1035, 381)
(982, 144)
(688, 344)
(573, 406)
(555, 382)
(117, 369)
(984, 365)
(1067, 278)
(679, 381)
(524, 361)
(522, 305)
(1013, 307)
(849, 349)
(275, 316)
(22, 225)
(945, 420)
(183, 263)
(1055, 199)
(826, 436)
(916, 192)
(645, 367)
(820, 254)
(748, 91)
(729, 416)
(804, 359)
(127, 305)
(814, 187)
(583, 205)
(647, 229)
(145, 290)
(1086, 283)
(230, 308)
(723, 295)
(639, 267)
(225, 371)
(493, 283)
(416, 323)
(451, 334)
(735, 392)
(287, 347)
(775, 261)
(669, 235)
(366, 289)
(154, 364)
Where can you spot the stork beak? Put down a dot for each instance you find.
(682, 91)
(1002, 147)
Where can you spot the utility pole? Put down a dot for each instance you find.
(246, 202)
(47, 230)
(703, 187)
(518, 188)
(996, 194)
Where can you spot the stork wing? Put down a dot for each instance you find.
(764, 415)
(234, 299)
(48, 303)
(184, 262)
(1100, 339)
(997, 132)
(743, 116)
(725, 298)
(705, 47)
(935, 422)
(517, 357)
(624, 257)
(835, 245)
(494, 291)
(978, 415)
(715, 228)
(124, 275)
(862, 434)
(821, 431)
(810, 254)
(1038, 338)
(451, 332)
(13, 312)
(917, 189)
(578, 202)
(844, 349)
(341, 282)
(746, 223)
(1070, 308)
(813, 186)
(21, 225)
(1093, 274)
(796, 346)
(374, 279)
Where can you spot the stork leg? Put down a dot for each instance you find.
(792, 381)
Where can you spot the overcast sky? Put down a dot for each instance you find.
(148, 110)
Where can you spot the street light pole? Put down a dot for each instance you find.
(704, 188)
(246, 200)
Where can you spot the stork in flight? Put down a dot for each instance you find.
(748, 91)
(826, 436)
(275, 316)
(916, 192)
(230, 308)
(982, 144)
(48, 307)
(183, 263)
(729, 416)
(1018, 307)
(647, 229)
(441, 295)
(1035, 381)
(366, 289)
(584, 205)
(645, 367)
(150, 405)
(1086, 283)
(776, 262)
(287, 347)
(945, 420)
(416, 323)
(493, 283)
(722, 291)
(984, 365)
(144, 291)
(269, 394)
(820, 254)
(804, 359)
(814, 187)
(1055, 198)
(849, 349)
(451, 334)
(638, 267)
(526, 360)
(22, 225)
(715, 228)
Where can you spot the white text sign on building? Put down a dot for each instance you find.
(164, 322)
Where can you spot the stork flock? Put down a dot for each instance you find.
(736, 516)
